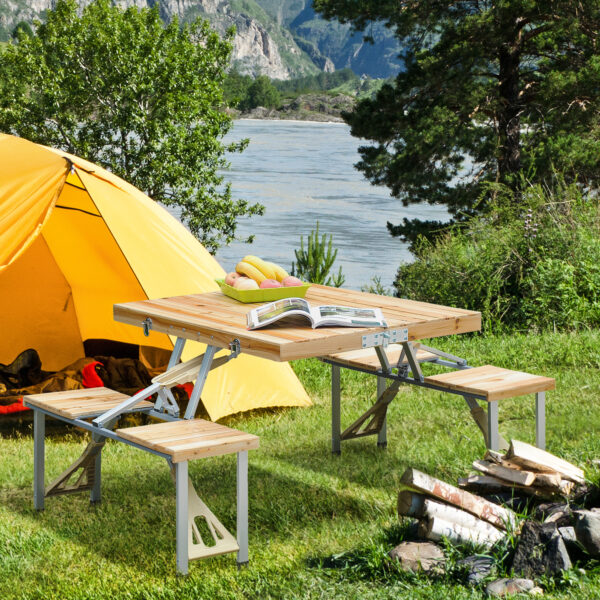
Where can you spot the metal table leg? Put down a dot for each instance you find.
(242, 507)
(39, 432)
(493, 435)
(336, 423)
(540, 420)
(382, 435)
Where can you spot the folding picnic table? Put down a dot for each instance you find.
(220, 322)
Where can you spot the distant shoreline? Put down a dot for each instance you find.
(305, 121)
(314, 108)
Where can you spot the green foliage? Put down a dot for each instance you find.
(320, 82)
(138, 97)
(534, 267)
(22, 28)
(235, 87)
(490, 91)
(316, 260)
(261, 92)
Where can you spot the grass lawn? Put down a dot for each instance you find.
(319, 525)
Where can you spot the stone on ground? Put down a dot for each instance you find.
(587, 530)
(540, 551)
(506, 587)
(419, 556)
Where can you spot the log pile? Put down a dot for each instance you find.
(446, 511)
(524, 469)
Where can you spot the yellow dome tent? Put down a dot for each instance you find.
(74, 240)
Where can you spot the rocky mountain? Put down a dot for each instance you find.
(278, 38)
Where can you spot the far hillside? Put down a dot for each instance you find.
(323, 93)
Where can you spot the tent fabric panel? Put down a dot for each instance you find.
(247, 383)
(30, 181)
(166, 257)
(169, 261)
(37, 311)
(96, 269)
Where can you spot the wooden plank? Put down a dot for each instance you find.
(540, 460)
(74, 404)
(186, 440)
(493, 383)
(502, 472)
(244, 444)
(488, 511)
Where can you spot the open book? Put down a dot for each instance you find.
(344, 316)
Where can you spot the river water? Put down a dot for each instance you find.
(302, 172)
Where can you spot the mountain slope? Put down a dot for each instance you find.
(277, 38)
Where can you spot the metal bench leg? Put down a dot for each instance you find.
(242, 507)
(493, 435)
(39, 433)
(181, 527)
(95, 496)
(382, 435)
(540, 420)
(336, 423)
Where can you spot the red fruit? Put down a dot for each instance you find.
(270, 283)
(291, 281)
(231, 277)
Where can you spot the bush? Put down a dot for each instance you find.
(261, 92)
(533, 267)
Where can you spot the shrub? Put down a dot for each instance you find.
(532, 267)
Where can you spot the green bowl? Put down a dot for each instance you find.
(266, 295)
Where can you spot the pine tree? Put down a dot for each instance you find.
(493, 93)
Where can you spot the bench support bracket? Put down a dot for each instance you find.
(85, 480)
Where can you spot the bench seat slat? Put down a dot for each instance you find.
(493, 383)
(188, 440)
(76, 404)
(366, 358)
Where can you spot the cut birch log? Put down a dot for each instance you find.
(488, 511)
(501, 472)
(436, 510)
(540, 460)
(436, 528)
(410, 504)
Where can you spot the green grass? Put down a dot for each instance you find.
(319, 525)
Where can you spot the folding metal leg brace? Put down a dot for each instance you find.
(89, 465)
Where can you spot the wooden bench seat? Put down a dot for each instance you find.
(492, 383)
(189, 440)
(80, 404)
(366, 358)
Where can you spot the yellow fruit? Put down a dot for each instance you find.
(280, 273)
(261, 265)
(250, 271)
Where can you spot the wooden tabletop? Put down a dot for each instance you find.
(216, 319)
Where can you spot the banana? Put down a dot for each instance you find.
(258, 263)
(251, 271)
(280, 273)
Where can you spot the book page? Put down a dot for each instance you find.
(273, 311)
(350, 316)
